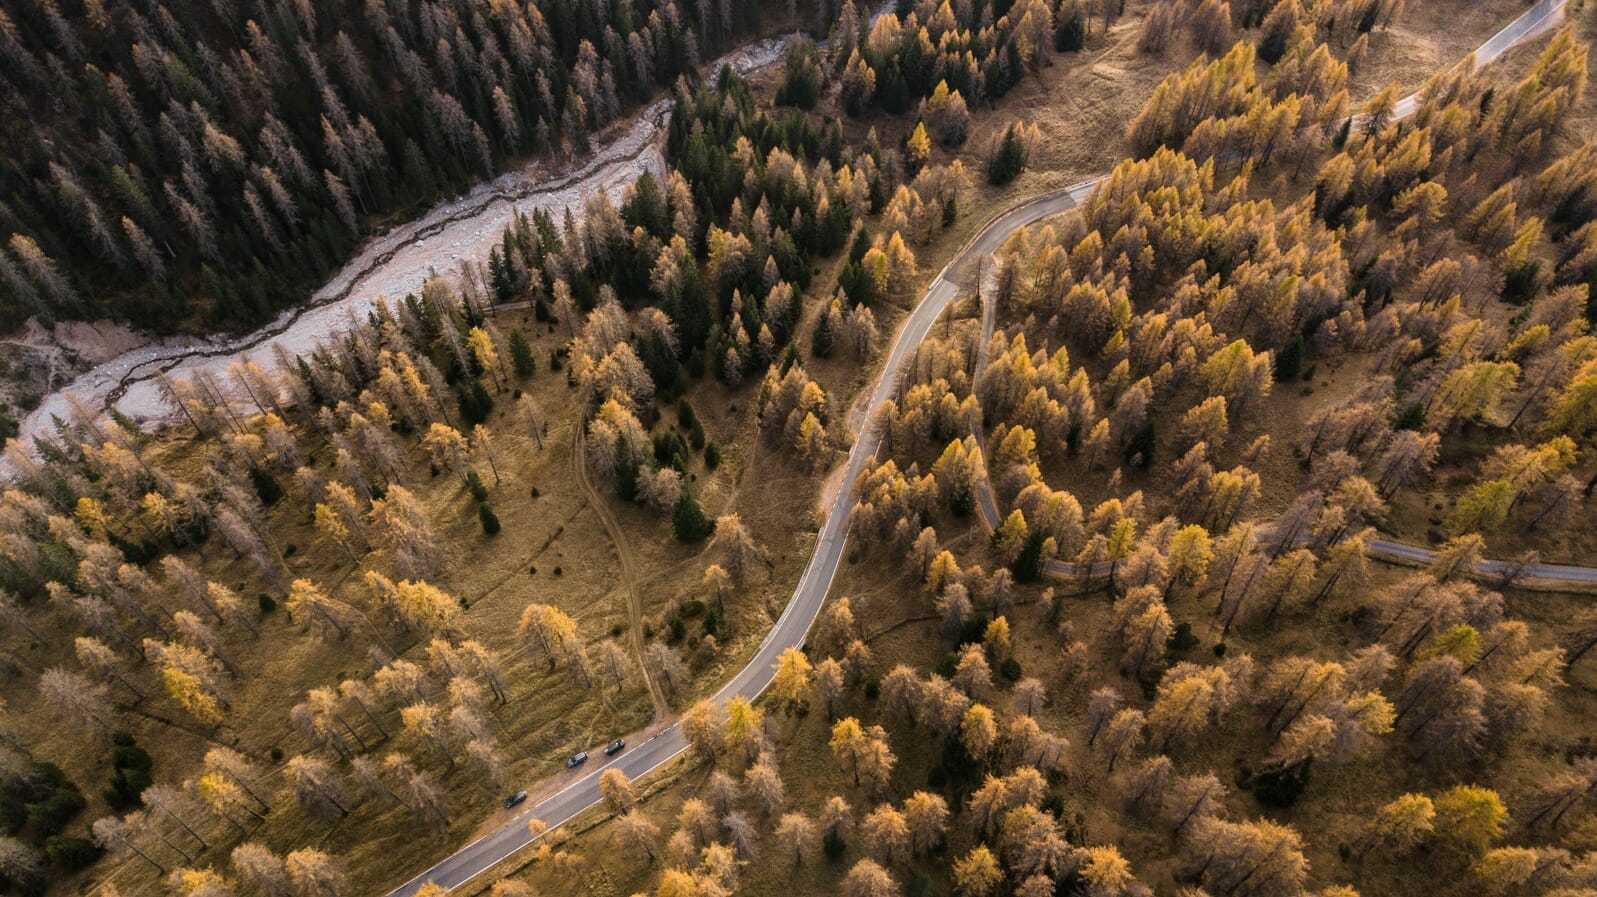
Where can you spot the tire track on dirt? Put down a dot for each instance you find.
(629, 579)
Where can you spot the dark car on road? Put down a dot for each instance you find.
(576, 759)
(614, 747)
(515, 799)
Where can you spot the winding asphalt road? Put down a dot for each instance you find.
(794, 623)
(793, 626)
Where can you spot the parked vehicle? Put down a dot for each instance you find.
(576, 759)
(515, 799)
(614, 747)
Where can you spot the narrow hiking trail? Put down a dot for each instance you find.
(629, 577)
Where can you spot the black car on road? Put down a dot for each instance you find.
(515, 799)
(614, 747)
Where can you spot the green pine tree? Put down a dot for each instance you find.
(689, 520)
(1009, 161)
(521, 354)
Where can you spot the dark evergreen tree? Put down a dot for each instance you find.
(801, 80)
(1010, 159)
(521, 357)
(688, 520)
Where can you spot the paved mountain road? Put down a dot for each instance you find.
(793, 625)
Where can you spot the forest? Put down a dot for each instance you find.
(187, 161)
(290, 554)
(1221, 536)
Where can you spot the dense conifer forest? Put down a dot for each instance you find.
(187, 161)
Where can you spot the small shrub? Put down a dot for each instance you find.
(474, 485)
(49, 816)
(1281, 787)
(974, 630)
(961, 766)
(1055, 805)
(474, 401)
(69, 854)
(521, 354)
(266, 486)
(1071, 34)
(1009, 160)
(1289, 361)
(1028, 564)
(712, 456)
(139, 551)
(1410, 418)
(1139, 451)
(489, 521)
(40, 797)
(1010, 669)
(688, 520)
(833, 846)
(1521, 283)
(131, 756)
(801, 83)
(130, 773)
(668, 446)
(267, 602)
